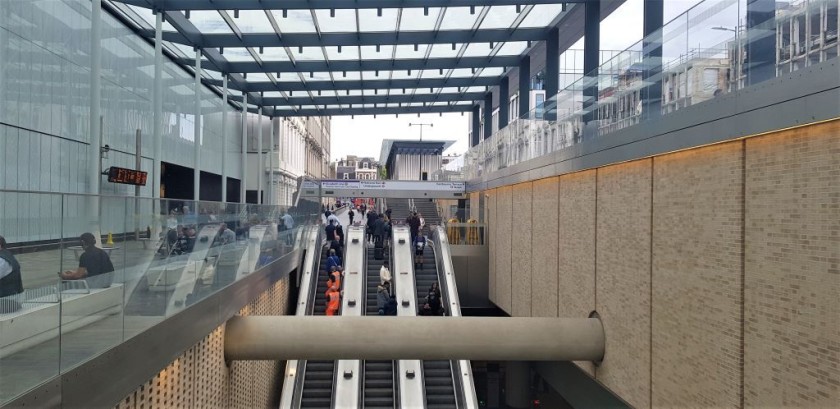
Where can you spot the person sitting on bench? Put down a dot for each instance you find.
(95, 266)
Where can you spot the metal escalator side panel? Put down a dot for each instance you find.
(409, 372)
(312, 372)
(462, 370)
(347, 384)
(295, 370)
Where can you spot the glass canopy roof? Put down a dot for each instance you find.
(351, 60)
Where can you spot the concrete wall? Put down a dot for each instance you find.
(714, 270)
(200, 378)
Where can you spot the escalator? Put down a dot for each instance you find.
(379, 375)
(318, 376)
(437, 375)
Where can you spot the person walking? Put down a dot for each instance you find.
(383, 297)
(351, 214)
(384, 273)
(333, 301)
(330, 230)
(333, 261)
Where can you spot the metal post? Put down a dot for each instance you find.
(197, 131)
(137, 166)
(488, 115)
(271, 161)
(224, 135)
(525, 85)
(260, 167)
(476, 125)
(761, 41)
(552, 74)
(504, 102)
(652, 55)
(157, 102)
(591, 55)
(95, 172)
(242, 187)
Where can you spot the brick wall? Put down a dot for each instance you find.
(792, 289)
(715, 270)
(697, 265)
(199, 378)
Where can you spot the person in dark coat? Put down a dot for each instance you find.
(11, 282)
(383, 297)
(379, 229)
(371, 221)
(330, 230)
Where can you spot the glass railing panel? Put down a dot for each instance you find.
(30, 319)
(165, 255)
(706, 52)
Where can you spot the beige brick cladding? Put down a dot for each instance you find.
(792, 288)
(737, 300)
(697, 266)
(576, 247)
(622, 291)
(502, 251)
(544, 238)
(521, 270)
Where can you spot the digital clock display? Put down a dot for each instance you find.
(127, 176)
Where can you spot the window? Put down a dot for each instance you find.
(540, 100)
(346, 176)
(366, 165)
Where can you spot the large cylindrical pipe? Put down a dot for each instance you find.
(427, 338)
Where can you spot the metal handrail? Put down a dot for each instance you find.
(464, 382)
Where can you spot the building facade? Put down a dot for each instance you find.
(355, 167)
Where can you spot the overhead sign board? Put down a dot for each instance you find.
(390, 188)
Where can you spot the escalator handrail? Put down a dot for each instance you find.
(464, 382)
(292, 393)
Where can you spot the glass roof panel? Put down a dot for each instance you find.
(499, 17)
(273, 94)
(308, 54)
(473, 89)
(258, 77)
(433, 74)
(318, 76)
(370, 20)
(296, 21)
(343, 22)
(513, 48)
(238, 55)
(416, 19)
(541, 15)
(347, 75)
(351, 92)
(407, 51)
(458, 18)
(444, 51)
(491, 72)
(478, 50)
(347, 53)
(252, 21)
(369, 52)
(462, 73)
(422, 91)
(272, 54)
(449, 90)
(333, 106)
(209, 22)
(403, 75)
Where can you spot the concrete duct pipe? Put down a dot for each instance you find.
(426, 338)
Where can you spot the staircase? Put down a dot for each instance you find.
(428, 209)
(379, 375)
(399, 209)
(318, 378)
(437, 375)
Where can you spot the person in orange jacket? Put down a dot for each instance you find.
(333, 281)
(333, 301)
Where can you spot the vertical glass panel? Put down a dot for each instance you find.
(30, 319)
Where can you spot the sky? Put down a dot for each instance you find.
(363, 135)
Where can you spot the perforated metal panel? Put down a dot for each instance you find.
(199, 378)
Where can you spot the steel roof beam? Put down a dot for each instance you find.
(355, 65)
(371, 84)
(327, 4)
(368, 99)
(369, 111)
(217, 40)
